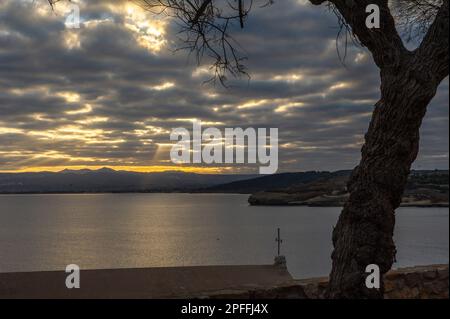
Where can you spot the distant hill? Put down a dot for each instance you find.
(277, 182)
(424, 189)
(107, 180)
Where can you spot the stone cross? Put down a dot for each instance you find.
(279, 241)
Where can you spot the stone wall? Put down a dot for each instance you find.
(418, 282)
(421, 282)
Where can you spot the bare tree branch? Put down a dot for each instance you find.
(205, 30)
(201, 10)
(414, 17)
(384, 43)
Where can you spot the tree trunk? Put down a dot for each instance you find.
(364, 232)
(409, 79)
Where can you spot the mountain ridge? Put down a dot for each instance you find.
(110, 181)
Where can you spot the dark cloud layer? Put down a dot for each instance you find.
(110, 92)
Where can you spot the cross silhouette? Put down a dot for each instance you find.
(279, 241)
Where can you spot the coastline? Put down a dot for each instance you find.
(265, 202)
(324, 200)
(259, 203)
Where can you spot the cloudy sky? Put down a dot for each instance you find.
(110, 92)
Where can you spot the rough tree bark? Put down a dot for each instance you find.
(409, 81)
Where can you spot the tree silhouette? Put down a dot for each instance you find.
(409, 81)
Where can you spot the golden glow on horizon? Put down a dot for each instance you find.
(137, 169)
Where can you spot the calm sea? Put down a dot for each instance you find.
(48, 232)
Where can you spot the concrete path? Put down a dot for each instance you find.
(173, 282)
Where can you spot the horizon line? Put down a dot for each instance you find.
(135, 169)
(161, 169)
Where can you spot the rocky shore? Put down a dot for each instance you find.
(286, 199)
(423, 190)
